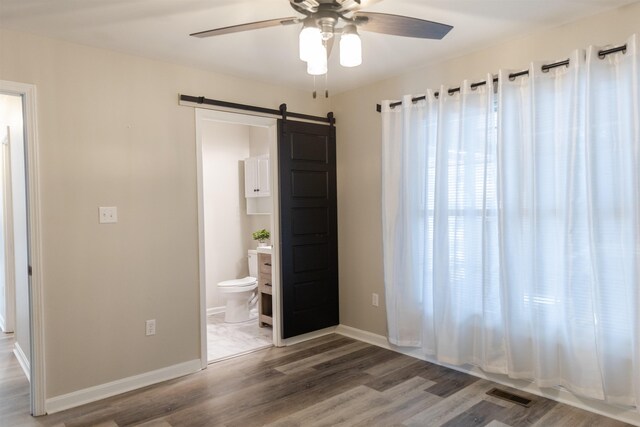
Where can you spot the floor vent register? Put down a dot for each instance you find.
(513, 398)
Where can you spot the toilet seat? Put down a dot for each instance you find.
(238, 285)
(245, 281)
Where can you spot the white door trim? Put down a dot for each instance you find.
(202, 114)
(36, 309)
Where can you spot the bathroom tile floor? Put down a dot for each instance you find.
(229, 339)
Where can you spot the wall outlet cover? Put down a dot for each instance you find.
(108, 214)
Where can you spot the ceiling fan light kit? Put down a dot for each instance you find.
(317, 63)
(310, 41)
(350, 47)
(313, 42)
(320, 21)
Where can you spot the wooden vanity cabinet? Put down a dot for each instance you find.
(265, 307)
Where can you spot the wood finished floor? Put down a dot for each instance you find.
(328, 381)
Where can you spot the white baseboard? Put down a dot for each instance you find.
(22, 360)
(627, 415)
(365, 336)
(215, 310)
(102, 391)
(2, 323)
(309, 336)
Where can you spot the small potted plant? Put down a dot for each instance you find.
(261, 236)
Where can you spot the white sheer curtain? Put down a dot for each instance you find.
(612, 170)
(545, 257)
(465, 297)
(404, 192)
(511, 225)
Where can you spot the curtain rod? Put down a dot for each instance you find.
(282, 111)
(545, 68)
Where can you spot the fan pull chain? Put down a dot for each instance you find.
(315, 95)
(326, 86)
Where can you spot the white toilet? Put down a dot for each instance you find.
(239, 293)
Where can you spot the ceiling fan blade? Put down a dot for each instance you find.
(402, 25)
(246, 27)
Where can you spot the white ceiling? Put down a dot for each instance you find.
(160, 29)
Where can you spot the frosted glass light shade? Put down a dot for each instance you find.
(310, 40)
(350, 49)
(317, 65)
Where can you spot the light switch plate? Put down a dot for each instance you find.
(150, 327)
(108, 214)
(374, 300)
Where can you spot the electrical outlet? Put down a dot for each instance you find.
(108, 215)
(150, 327)
(374, 300)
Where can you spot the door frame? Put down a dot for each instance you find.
(206, 114)
(36, 295)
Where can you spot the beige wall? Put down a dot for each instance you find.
(111, 133)
(358, 128)
(259, 141)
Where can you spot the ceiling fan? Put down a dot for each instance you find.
(323, 19)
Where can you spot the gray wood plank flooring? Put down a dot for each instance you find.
(329, 381)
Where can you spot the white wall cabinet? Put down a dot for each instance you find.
(257, 185)
(256, 177)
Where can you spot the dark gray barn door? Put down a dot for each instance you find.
(308, 227)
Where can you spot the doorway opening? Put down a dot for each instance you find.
(12, 174)
(20, 249)
(237, 203)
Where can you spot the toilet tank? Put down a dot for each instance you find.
(253, 263)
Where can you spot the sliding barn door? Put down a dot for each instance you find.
(308, 226)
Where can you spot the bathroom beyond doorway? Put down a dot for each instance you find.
(227, 219)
